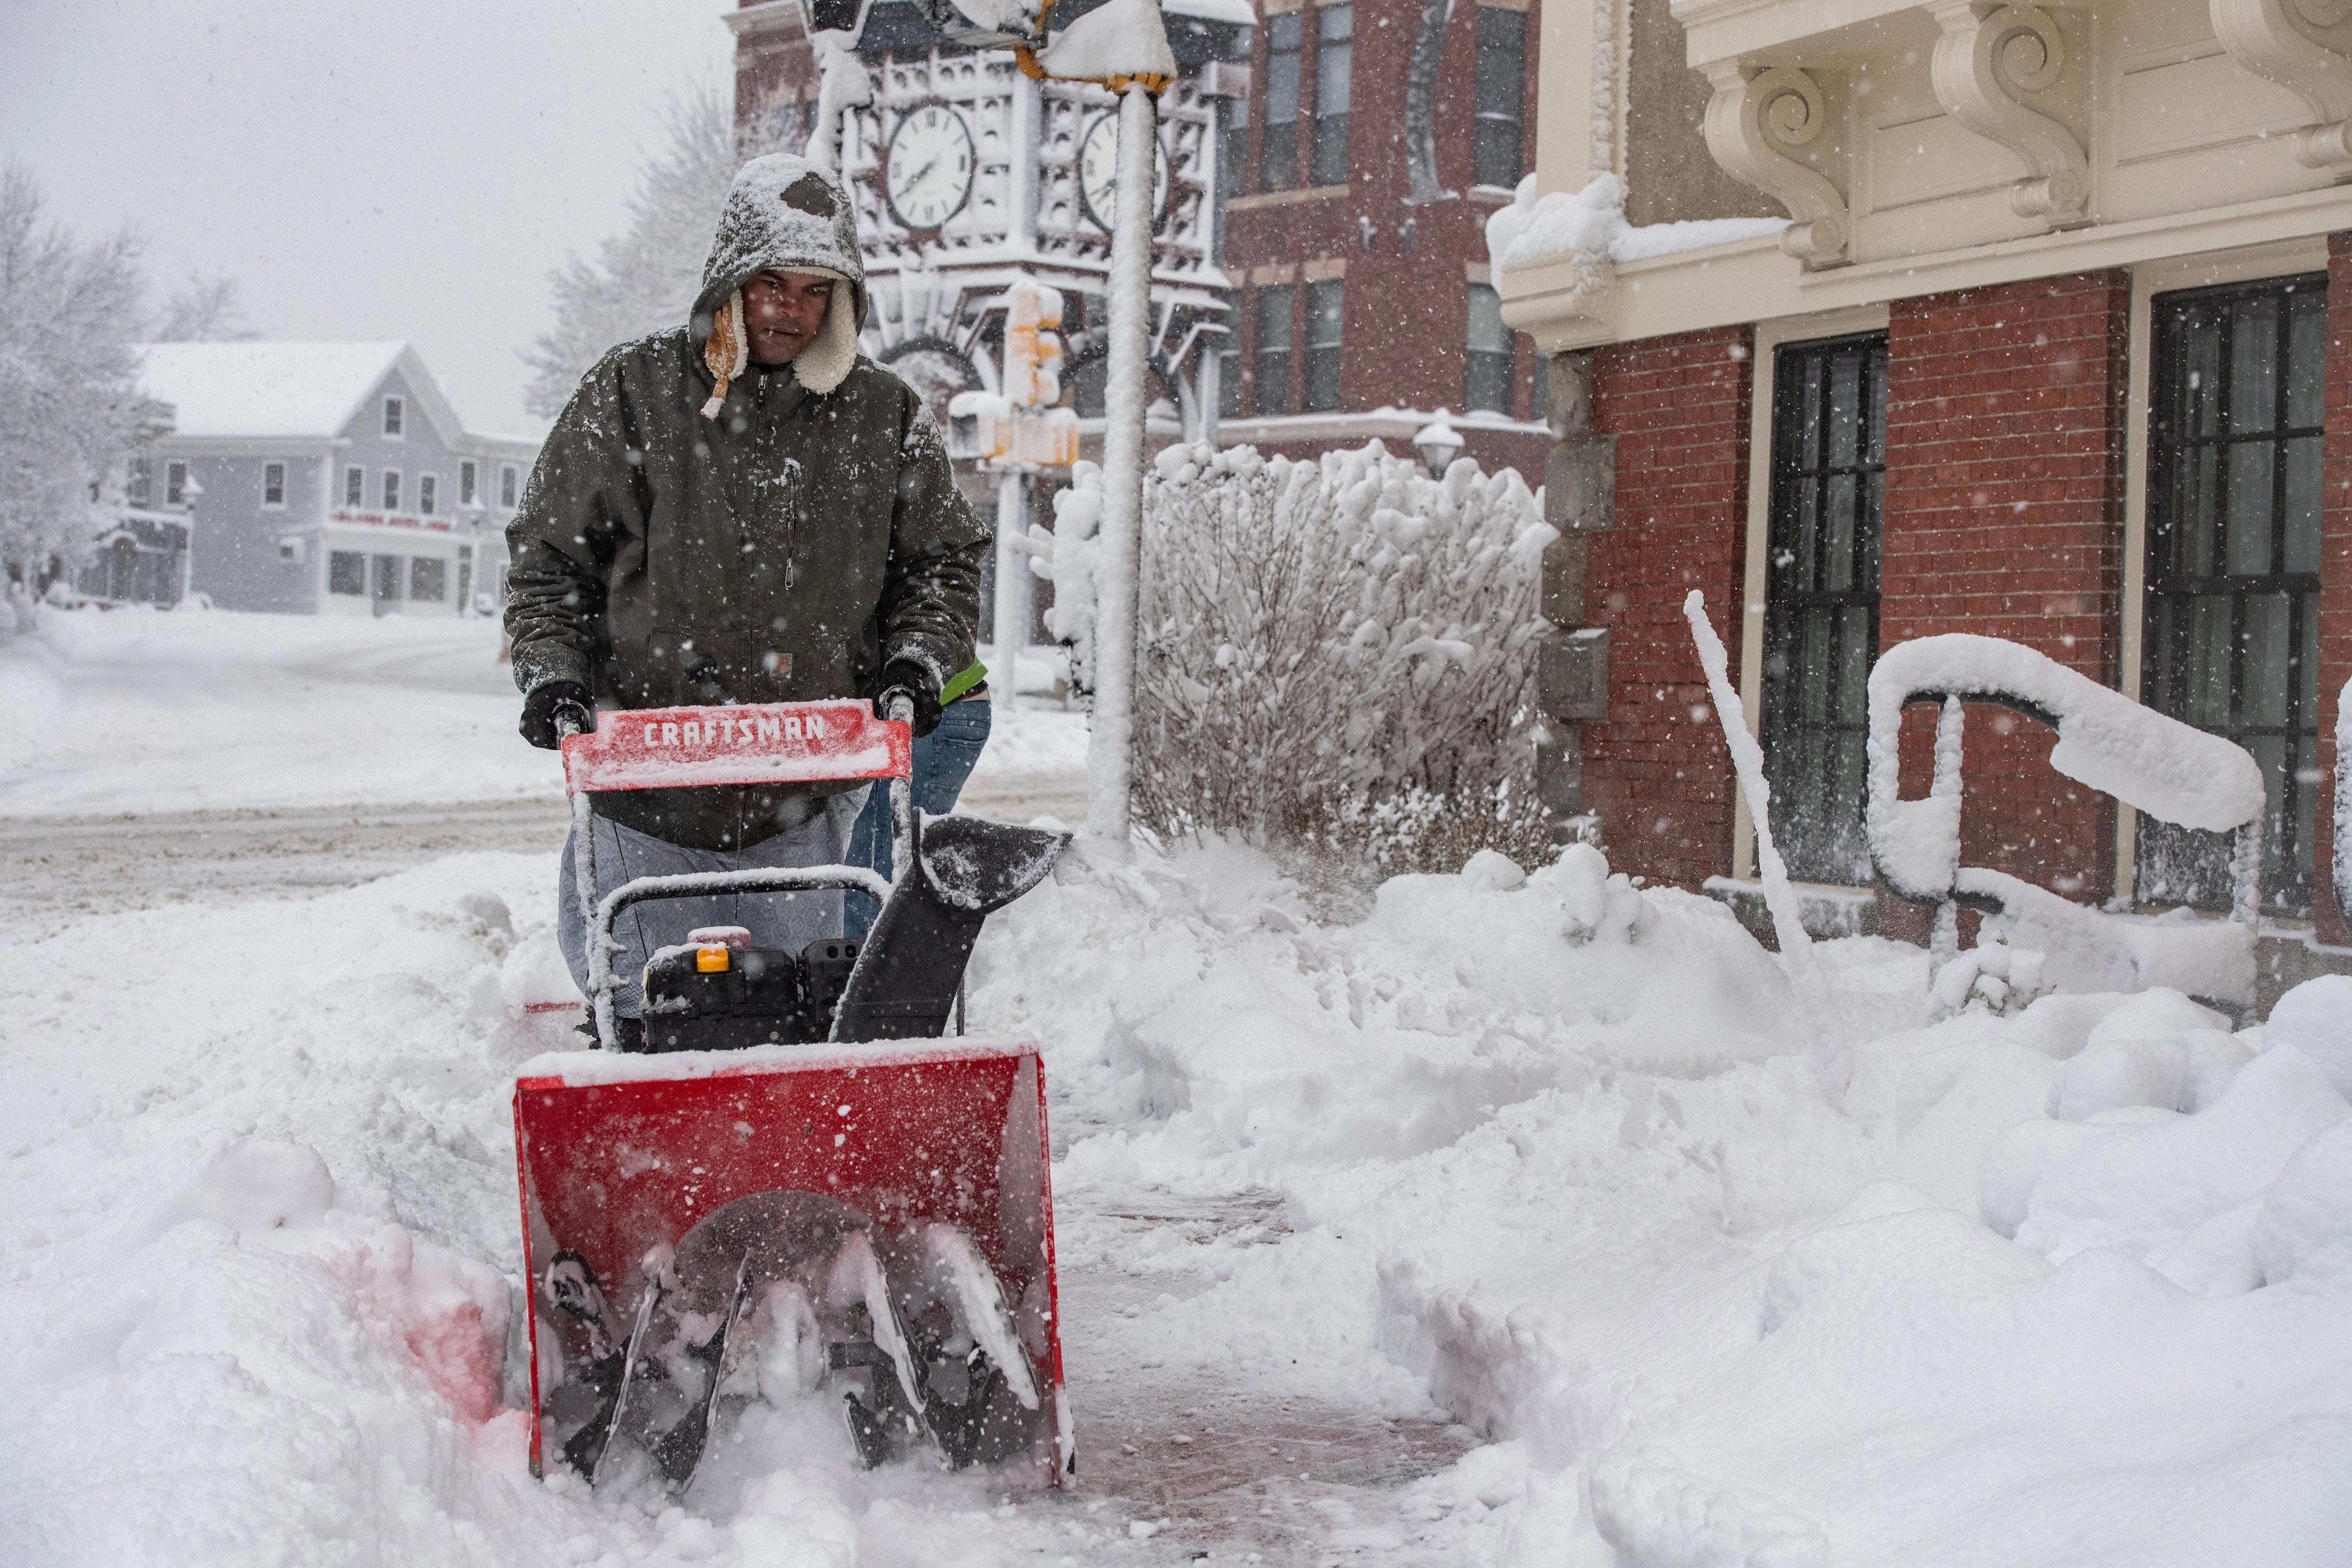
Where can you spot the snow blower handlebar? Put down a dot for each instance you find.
(760, 743)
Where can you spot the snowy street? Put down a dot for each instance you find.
(1524, 1219)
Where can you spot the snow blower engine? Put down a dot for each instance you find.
(804, 1191)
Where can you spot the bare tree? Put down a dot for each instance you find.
(643, 279)
(70, 400)
(205, 310)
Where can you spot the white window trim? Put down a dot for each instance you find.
(394, 476)
(1761, 370)
(390, 399)
(285, 479)
(2284, 260)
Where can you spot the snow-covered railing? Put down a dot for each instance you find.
(2171, 771)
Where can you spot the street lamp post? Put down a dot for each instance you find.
(1109, 743)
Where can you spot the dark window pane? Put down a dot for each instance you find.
(2208, 693)
(1846, 410)
(1325, 321)
(1486, 383)
(1327, 157)
(1233, 146)
(1271, 379)
(1837, 543)
(346, 573)
(2253, 365)
(2248, 528)
(2200, 375)
(2302, 505)
(2306, 357)
(1496, 147)
(1488, 334)
(2265, 699)
(1334, 30)
(2197, 510)
(1278, 143)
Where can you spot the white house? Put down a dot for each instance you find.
(330, 478)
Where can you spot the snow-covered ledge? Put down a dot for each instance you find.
(1555, 257)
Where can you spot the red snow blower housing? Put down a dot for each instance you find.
(858, 1210)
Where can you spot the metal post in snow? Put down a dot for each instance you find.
(1129, 285)
(1208, 380)
(1012, 627)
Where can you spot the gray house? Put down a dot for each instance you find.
(330, 478)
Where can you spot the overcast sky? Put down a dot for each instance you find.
(402, 170)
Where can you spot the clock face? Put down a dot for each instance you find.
(1099, 171)
(928, 171)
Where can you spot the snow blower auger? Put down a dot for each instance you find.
(797, 1188)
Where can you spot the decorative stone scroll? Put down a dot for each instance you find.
(2283, 40)
(1989, 56)
(1752, 124)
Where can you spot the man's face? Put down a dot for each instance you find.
(783, 311)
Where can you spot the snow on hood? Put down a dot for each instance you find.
(784, 212)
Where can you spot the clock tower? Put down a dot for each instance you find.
(970, 176)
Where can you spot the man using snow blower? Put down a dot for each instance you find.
(742, 508)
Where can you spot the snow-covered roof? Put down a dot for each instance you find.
(268, 389)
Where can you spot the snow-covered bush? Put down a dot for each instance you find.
(1337, 653)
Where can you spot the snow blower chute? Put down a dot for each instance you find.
(798, 1190)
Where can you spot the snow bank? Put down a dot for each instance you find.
(1591, 222)
(1887, 1379)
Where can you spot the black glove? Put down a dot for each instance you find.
(546, 705)
(904, 676)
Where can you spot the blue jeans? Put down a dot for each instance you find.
(943, 760)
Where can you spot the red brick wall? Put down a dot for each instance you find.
(2004, 516)
(2334, 578)
(1657, 771)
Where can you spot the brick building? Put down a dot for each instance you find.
(2052, 347)
(1375, 139)
(1358, 148)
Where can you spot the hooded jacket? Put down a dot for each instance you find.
(771, 535)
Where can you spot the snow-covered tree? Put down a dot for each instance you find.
(69, 401)
(642, 279)
(206, 310)
(1337, 653)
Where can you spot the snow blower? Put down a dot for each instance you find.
(797, 1188)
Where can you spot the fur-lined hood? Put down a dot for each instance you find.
(786, 212)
